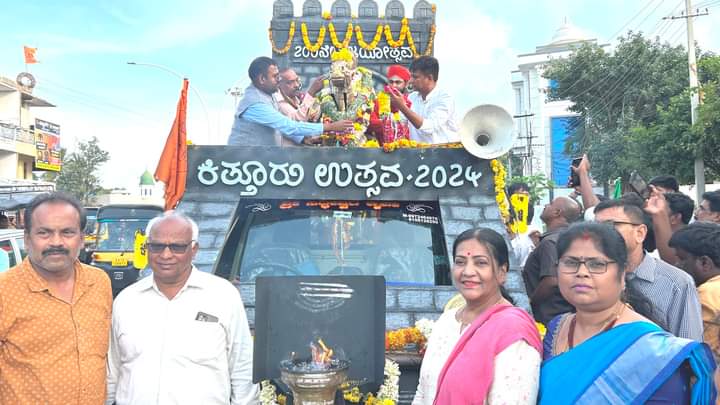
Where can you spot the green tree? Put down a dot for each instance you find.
(620, 96)
(538, 184)
(706, 133)
(79, 170)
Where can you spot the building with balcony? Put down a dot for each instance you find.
(543, 125)
(17, 138)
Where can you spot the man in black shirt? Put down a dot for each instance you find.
(540, 272)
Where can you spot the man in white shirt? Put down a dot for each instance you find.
(180, 336)
(432, 113)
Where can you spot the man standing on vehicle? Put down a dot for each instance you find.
(258, 122)
(180, 336)
(432, 110)
(54, 313)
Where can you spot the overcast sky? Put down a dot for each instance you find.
(83, 47)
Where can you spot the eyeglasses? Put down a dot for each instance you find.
(176, 248)
(571, 265)
(616, 223)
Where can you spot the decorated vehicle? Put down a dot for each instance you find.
(388, 207)
(272, 211)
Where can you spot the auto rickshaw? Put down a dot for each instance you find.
(119, 228)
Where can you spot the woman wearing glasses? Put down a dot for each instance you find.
(610, 351)
(486, 351)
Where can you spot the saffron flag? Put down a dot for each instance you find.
(172, 167)
(29, 55)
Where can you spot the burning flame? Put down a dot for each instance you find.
(321, 354)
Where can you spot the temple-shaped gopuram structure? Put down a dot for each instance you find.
(379, 38)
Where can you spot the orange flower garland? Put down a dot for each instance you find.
(286, 48)
(320, 39)
(397, 339)
(375, 41)
(346, 41)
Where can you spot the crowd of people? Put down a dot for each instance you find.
(628, 291)
(274, 112)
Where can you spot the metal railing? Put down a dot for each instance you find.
(13, 132)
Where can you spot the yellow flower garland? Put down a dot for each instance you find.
(375, 41)
(500, 196)
(286, 48)
(405, 35)
(404, 29)
(346, 41)
(320, 39)
(428, 49)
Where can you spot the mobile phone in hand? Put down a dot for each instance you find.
(574, 178)
(639, 185)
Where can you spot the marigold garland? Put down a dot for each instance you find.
(404, 29)
(343, 54)
(375, 41)
(346, 41)
(286, 48)
(397, 339)
(405, 35)
(500, 197)
(309, 45)
(428, 48)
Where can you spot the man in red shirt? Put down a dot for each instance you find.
(383, 124)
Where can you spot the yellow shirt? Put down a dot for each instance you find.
(53, 352)
(709, 293)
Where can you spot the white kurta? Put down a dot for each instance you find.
(193, 349)
(516, 371)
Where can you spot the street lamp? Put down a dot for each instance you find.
(181, 77)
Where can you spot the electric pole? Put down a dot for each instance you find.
(694, 99)
(695, 95)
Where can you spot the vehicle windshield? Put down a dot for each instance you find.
(118, 235)
(90, 225)
(280, 238)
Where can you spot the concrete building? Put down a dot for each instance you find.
(17, 139)
(546, 124)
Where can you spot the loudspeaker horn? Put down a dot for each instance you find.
(487, 132)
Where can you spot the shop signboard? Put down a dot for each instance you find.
(47, 145)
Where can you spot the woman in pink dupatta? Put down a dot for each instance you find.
(487, 351)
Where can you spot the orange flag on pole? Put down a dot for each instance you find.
(172, 167)
(29, 55)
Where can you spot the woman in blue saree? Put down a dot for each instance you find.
(607, 352)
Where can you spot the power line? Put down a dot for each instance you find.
(630, 80)
(566, 91)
